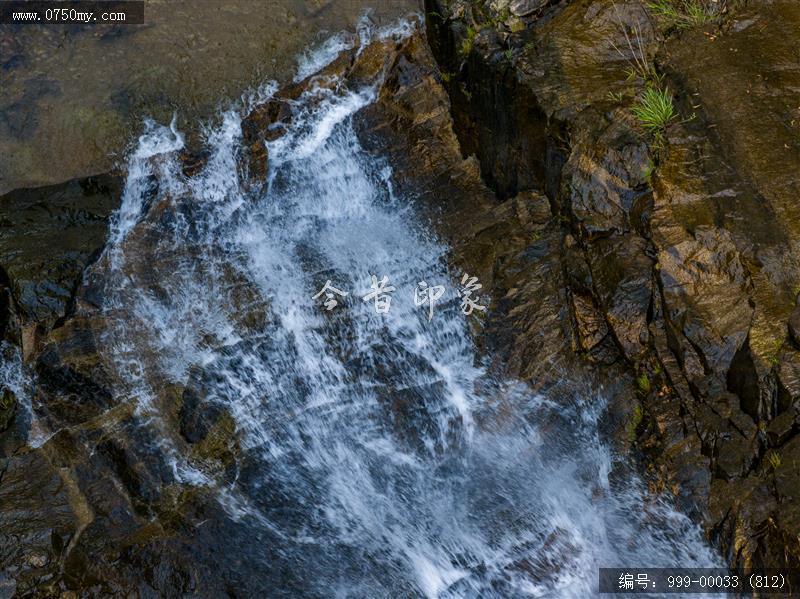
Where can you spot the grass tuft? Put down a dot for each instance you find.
(774, 459)
(684, 13)
(654, 110)
(617, 97)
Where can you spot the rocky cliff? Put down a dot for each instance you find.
(676, 245)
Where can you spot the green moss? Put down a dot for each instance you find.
(633, 424)
(496, 19)
(647, 173)
(468, 41)
(643, 383)
(657, 369)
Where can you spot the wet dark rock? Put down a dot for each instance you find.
(197, 416)
(8, 405)
(788, 376)
(691, 478)
(73, 380)
(621, 271)
(605, 175)
(590, 323)
(511, 245)
(120, 519)
(782, 428)
(20, 119)
(794, 326)
(47, 237)
(37, 509)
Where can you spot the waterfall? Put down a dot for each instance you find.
(381, 456)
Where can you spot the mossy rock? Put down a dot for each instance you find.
(220, 444)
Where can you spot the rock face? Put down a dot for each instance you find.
(47, 238)
(678, 257)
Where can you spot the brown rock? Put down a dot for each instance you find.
(523, 8)
(591, 325)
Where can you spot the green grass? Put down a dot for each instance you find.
(654, 110)
(683, 13)
(774, 459)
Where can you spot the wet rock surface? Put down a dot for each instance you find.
(47, 238)
(681, 253)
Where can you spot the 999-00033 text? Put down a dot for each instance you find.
(697, 580)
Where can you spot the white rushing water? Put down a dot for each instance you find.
(383, 458)
(15, 378)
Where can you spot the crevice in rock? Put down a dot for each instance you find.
(495, 118)
(743, 381)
